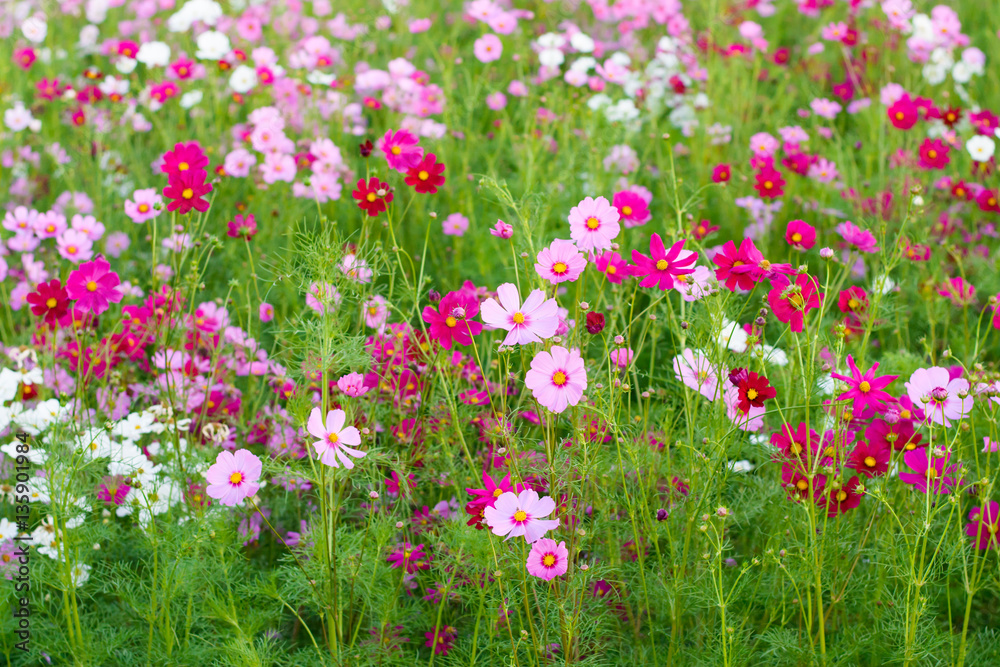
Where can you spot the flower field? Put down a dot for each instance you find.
(504, 332)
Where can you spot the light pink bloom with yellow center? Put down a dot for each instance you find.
(535, 320)
(593, 224)
(336, 441)
(522, 514)
(233, 477)
(557, 378)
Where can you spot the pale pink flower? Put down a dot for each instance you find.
(695, 370)
(557, 378)
(322, 295)
(488, 48)
(939, 395)
(560, 262)
(455, 224)
(522, 514)
(75, 246)
(278, 167)
(593, 224)
(622, 357)
(233, 477)
(147, 205)
(336, 441)
(536, 320)
(353, 384)
(376, 313)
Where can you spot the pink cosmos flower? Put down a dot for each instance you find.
(695, 370)
(547, 560)
(536, 320)
(93, 286)
(335, 440)
(455, 224)
(866, 389)
(278, 167)
(521, 514)
(661, 266)
(266, 312)
(616, 269)
(376, 312)
(929, 471)
(233, 477)
(322, 295)
(560, 262)
(557, 378)
(401, 150)
(800, 235)
(353, 385)
(632, 207)
(698, 284)
(621, 357)
(985, 526)
(791, 301)
(144, 206)
(502, 230)
(593, 224)
(934, 389)
(75, 246)
(862, 239)
(488, 48)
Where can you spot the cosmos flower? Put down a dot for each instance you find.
(557, 378)
(547, 560)
(336, 442)
(233, 477)
(522, 514)
(661, 266)
(593, 224)
(532, 322)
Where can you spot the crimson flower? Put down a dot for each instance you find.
(791, 301)
(753, 389)
(903, 114)
(769, 183)
(837, 499)
(854, 299)
(934, 154)
(721, 173)
(426, 176)
(870, 459)
(187, 190)
(50, 301)
(242, 227)
(372, 196)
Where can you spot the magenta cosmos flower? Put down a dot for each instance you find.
(547, 560)
(452, 322)
(593, 224)
(334, 438)
(522, 514)
(661, 266)
(866, 389)
(557, 379)
(985, 526)
(562, 261)
(791, 301)
(94, 286)
(532, 322)
(401, 150)
(939, 394)
(233, 477)
(930, 472)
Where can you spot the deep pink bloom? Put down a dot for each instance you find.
(866, 389)
(612, 265)
(547, 560)
(557, 378)
(94, 286)
(769, 183)
(661, 266)
(791, 301)
(442, 639)
(184, 157)
(187, 190)
(837, 500)
(336, 441)
(426, 176)
(632, 208)
(521, 515)
(487, 496)
(930, 471)
(233, 477)
(862, 239)
(733, 264)
(401, 150)
(453, 321)
(799, 234)
(934, 154)
(721, 173)
(242, 227)
(985, 526)
(903, 114)
(410, 557)
(532, 322)
(870, 459)
(502, 230)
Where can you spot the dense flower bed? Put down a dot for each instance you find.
(499, 332)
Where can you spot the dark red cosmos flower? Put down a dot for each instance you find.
(453, 321)
(795, 444)
(769, 183)
(837, 499)
(903, 114)
(366, 148)
(754, 389)
(50, 301)
(243, 227)
(961, 191)
(595, 323)
(187, 189)
(951, 116)
(870, 459)
(427, 176)
(934, 154)
(372, 196)
(184, 157)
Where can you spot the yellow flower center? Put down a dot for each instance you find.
(627, 210)
(752, 394)
(593, 223)
(932, 473)
(236, 478)
(91, 286)
(797, 300)
(560, 268)
(899, 115)
(371, 196)
(188, 193)
(559, 378)
(795, 448)
(932, 154)
(497, 493)
(841, 496)
(183, 166)
(802, 485)
(518, 318)
(396, 150)
(520, 516)
(768, 185)
(870, 461)
(549, 560)
(143, 208)
(51, 303)
(662, 265)
(332, 438)
(451, 321)
(864, 387)
(423, 175)
(796, 237)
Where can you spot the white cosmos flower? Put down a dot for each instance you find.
(190, 99)
(154, 54)
(980, 147)
(243, 79)
(212, 45)
(582, 42)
